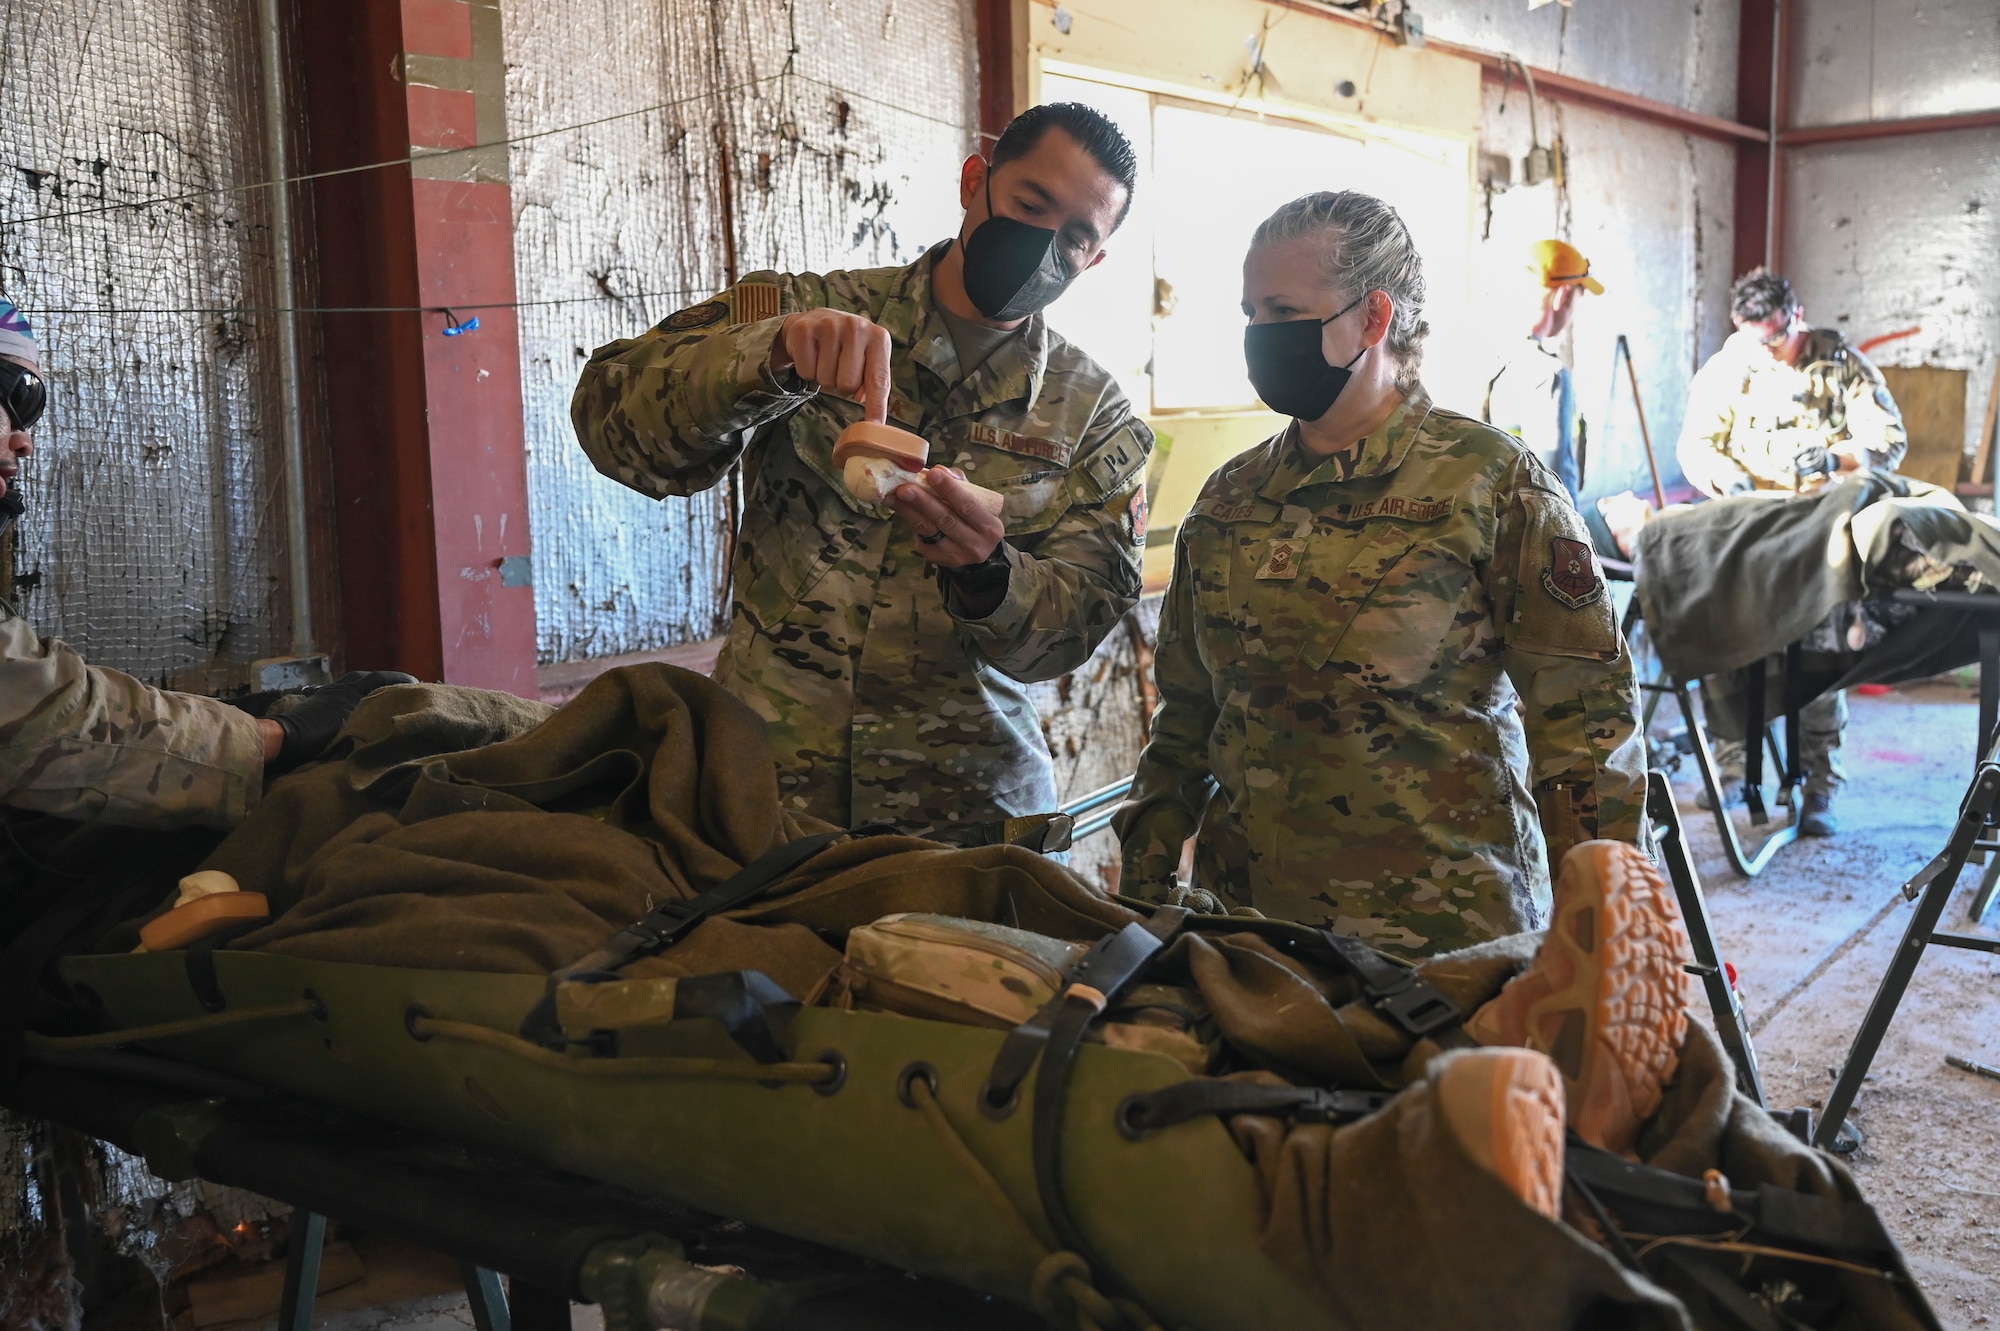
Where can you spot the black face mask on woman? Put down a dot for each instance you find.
(1288, 369)
(1013, 269)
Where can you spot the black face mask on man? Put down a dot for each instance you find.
(1288, 369)
(1013, 269)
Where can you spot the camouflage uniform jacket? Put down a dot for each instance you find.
(884, 701)
(93, 744)
(1338, 664)
(1749, 413)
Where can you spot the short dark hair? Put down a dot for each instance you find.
(1759, 294)
(1093, 132)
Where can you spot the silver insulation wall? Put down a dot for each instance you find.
(801, 136)
(1888, 233)
(1682, 52)
(154, 539)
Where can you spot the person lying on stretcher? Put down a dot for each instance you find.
(654, 789)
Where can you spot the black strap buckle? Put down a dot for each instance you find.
(670, 921)
(1393, 989)
(1416, 1008)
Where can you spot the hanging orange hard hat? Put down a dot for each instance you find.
(1561, 264)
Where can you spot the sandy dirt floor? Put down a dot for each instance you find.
(1811, 938)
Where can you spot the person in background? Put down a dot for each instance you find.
(1780, 408)
(886, 645)
(1533, 395)
(1392, 688)
(91, 744)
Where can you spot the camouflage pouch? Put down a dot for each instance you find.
(942, 968)
(947, 969)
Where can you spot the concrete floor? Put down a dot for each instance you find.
(1811, 938)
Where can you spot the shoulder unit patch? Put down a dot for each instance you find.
(705, 315)
(1572, 576)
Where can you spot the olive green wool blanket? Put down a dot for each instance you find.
(469, 831)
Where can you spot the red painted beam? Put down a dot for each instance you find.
(373, 423)
(1756, 105)
(1003, 52)
(1889, 129)
(1597, 96)
(478, 436)
(425, 432)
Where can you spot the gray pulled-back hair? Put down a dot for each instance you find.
(1366, 248)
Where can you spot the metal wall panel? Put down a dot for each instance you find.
(841, 127)
(154, 539)
(1893, 59)
(1833, 49)
(1888, 233)
(1682, 52)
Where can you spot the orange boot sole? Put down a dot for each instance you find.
(1506, 1107)
(1607, 996)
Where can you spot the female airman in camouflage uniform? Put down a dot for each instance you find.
(1393, 690)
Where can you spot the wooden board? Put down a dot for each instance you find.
(1933, 404)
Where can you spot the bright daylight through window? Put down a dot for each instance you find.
(1164, 312)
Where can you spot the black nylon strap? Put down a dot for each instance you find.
(1398, 992)
(1110, 964)
(1393, 988)
(670, 921)
(199, 959)
(1090, 986)
(743, 1002)
(1794, 704)
(1753, 743)
(1654, 1201)
(1140, 1116)
(1073, 1017)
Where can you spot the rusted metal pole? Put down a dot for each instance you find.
(291, 423)
(1646, 436)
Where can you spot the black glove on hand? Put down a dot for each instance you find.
(980, 587)
(312, 725)
(1813, 460)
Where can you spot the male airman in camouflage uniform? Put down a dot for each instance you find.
(886, 646)
(1782, 405)
(1343, 646)
(91, 744)
(1777, 410)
